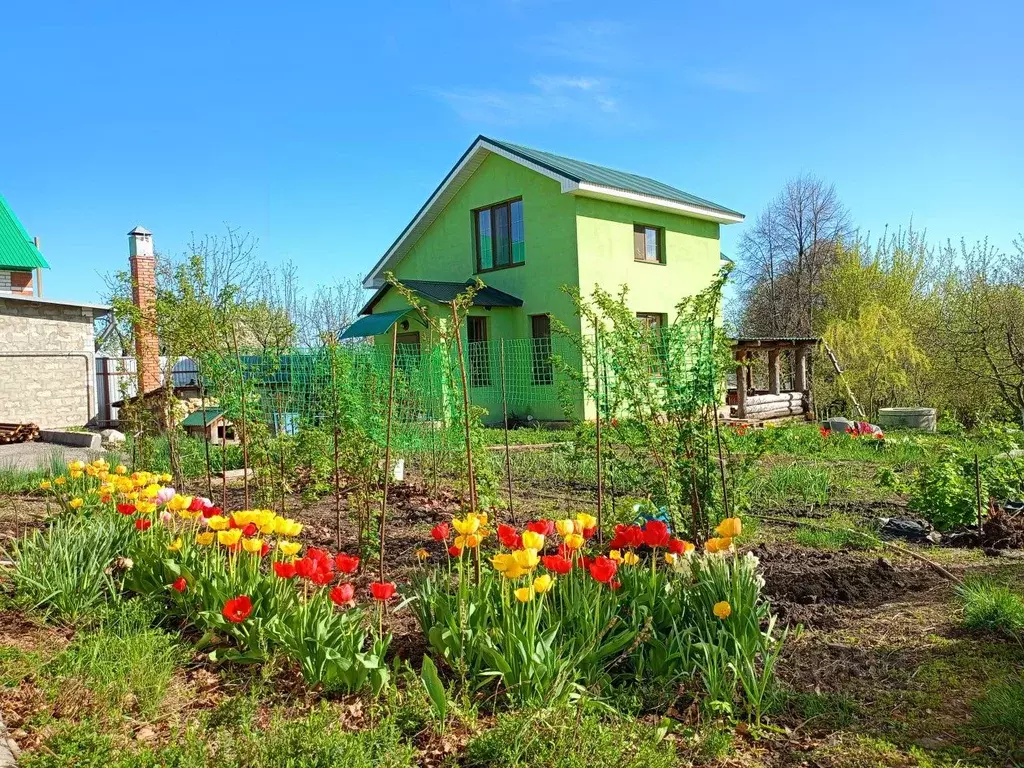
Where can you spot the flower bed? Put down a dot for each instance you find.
(539, 615)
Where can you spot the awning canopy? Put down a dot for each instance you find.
(374, 325)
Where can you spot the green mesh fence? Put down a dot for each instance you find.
(284, 392)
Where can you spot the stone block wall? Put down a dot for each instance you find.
(47, 363)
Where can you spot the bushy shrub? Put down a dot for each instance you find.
(991, 606)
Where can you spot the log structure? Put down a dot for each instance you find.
(773, 402)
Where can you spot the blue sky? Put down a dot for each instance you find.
(321, 128)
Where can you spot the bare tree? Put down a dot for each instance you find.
(785, 255)
(331, 309)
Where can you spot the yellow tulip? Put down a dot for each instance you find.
(289, 548)
(482, 517)
(670, 558)
(585, 522)
(542, 584)
(422, 554)
(166, 477)
(718, 545)
(565, 527)
(145, 507)
(730, 528)
(229, 538)
(218, 523)
(46, 485)
(76, 466)
(252, 546)
(502, 562)
(179, 502)
(175, 546)
(466, 525)
(120, 469)
(524, 594)
(75, 474)
(630, 558)
(615, 555)
(533, 540)
(205, 539)
(60, 480)
(151, 490)
(574, 541)
(469, 541)
(75, 503)
(722, 610)
(526, 558)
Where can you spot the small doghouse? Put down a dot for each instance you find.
(210, 424)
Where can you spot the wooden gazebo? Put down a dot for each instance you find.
(748, 403)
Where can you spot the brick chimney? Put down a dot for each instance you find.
(147, 347)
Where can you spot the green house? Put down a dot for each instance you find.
(528, 223)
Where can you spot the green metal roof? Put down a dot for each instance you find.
(444, 292)
(17, 250)
(373, 325)
(580, 171)
(196, 419)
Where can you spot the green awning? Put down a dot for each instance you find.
(373, 325)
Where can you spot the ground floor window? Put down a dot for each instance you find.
(479, 352)
(540, 357)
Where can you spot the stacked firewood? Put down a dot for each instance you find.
(18, 433)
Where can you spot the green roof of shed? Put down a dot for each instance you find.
(196, 419)
(580, 171)
(17, 251)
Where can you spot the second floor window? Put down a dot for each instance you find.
(500, 241)
(648, 244)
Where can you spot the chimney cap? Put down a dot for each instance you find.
(139, 230)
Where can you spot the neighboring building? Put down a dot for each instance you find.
(20, 260)
(528, 223)
(47, 347)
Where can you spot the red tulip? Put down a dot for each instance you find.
(305, 567)
(346, 563)
(211, 511)
(322, 577)
(180, 585)
(284, 570)
(656, 534)
(543, 527)
(382, 590)
(584, 562)
(589, 533)
(454, 551)
(343, 594)
(237, 609)
(318, 554)
(603, 569)
(508, 536)
(627, 536)
(126, 509)
(615, 585)
(196, 505)
(143, 524)
(264, 549)
(676, 546)
(250, 530)
(440, 532)
(557, 564)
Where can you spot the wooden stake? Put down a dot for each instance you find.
(597, 425)
(387, 444)
(504, 423)
(465, 411)
(337, 474)
(206, 428)
(243, 436)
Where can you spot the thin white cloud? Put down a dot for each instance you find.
(601, 43)
(723, 80)
(549, 99)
